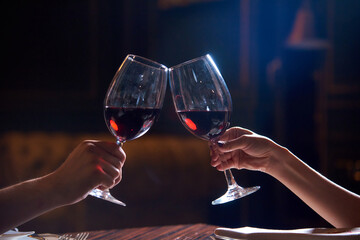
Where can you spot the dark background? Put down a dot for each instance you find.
(58, 58)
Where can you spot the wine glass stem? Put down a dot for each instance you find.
(229, 178)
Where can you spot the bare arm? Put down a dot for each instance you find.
(335, 204)
(92, 164)
(22, 202)
(242, 148)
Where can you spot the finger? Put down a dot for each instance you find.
(214, 156)
(104, 154)
(239, 143)
(240, 131)
(112, 149)
(213, 152)
(109, 169)
(224, 165)
(118, 179)
(104, 180)
(215, 162)
(234, 132)
(223, 157)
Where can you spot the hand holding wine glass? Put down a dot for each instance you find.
(203, 104)
(133, 102)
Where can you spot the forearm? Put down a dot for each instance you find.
(335, 204)
(24, 201)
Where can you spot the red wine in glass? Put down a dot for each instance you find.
(203, 104)
(132, 103)
(206, 125)
(128, 123)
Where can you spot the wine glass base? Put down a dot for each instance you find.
(105, 195)
(234, 193)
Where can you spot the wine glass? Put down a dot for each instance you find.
(203, 104)
(133, 102)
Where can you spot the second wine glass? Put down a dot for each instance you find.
(133, 102)
(203, 104)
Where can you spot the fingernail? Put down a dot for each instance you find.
(220, 143)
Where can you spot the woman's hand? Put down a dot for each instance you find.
(241, 148)
(91, 164)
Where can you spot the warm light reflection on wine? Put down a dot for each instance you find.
(114, 125)
(190, 124)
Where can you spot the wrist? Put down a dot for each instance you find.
(52, 189)
(279, 161)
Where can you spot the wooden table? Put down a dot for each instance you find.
(178, 232)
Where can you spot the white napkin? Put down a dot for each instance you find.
(13, 234)
(251, 233)
(16, 235)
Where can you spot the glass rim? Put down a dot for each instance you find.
(147, 62)
(191, 61)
